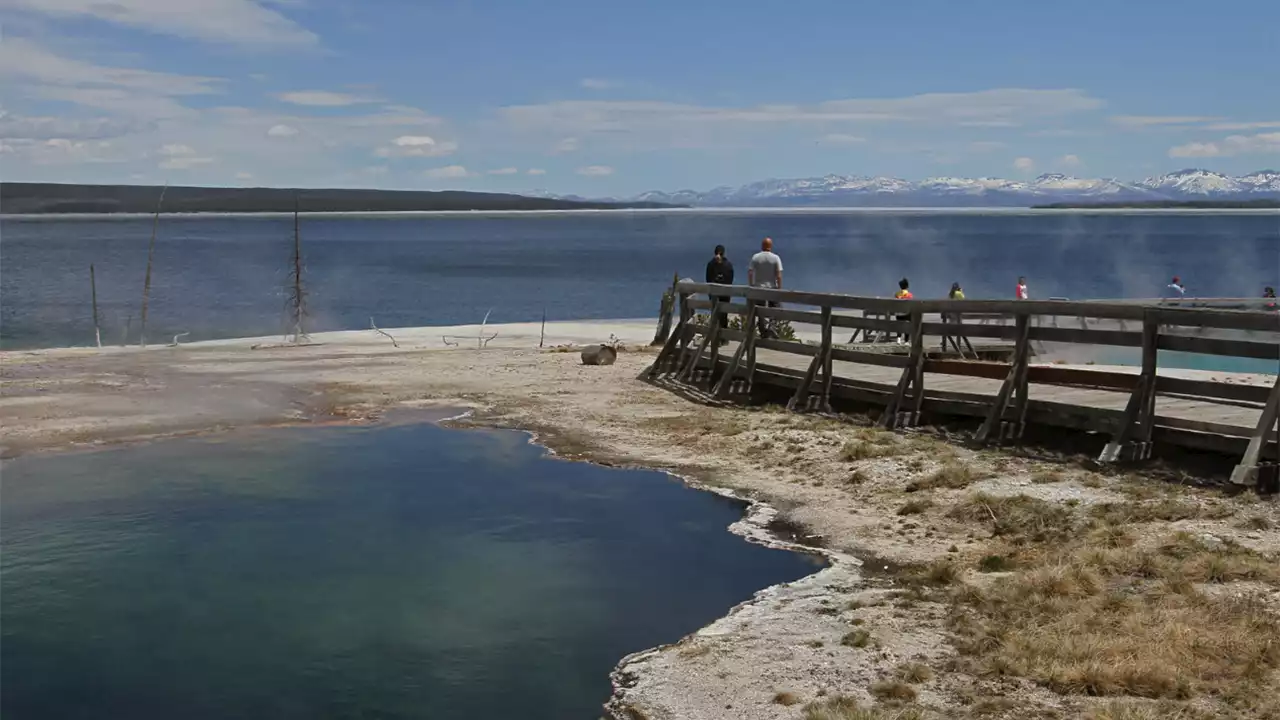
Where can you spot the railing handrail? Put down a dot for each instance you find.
(1262, 319)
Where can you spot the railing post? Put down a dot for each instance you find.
(820, 360)
(912, 374)
(749, 327)
(1139, 412)
(709, 335)
(675, 342)
(665, 309)
(1017, 372)
(1246, 473)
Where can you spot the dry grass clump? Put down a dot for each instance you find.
(892, 690)
(1046, 477)
(913, 672)
(856, 638)
(843, 707)
(786, 699)
(868, 443)
(1257, 522)
(952, 476)
(915, 507)
(1018, 518)
(1166, 509)
(1146, 710)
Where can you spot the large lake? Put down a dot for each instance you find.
(382, 572)
(222, 276)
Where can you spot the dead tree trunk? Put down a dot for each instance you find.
(151, 251)
(93, 292)
(297, 295)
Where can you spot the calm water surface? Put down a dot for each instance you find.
(225, 276)
(389, 572)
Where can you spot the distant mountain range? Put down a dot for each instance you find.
(51, 198)
(857, 191)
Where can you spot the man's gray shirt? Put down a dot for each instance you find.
(765, 268)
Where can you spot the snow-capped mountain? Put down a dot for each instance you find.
(858, 191)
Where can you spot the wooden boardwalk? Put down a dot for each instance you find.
(1134, 408)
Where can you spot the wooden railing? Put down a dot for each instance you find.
(1149, 327)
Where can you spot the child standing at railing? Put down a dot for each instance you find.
(904, 293)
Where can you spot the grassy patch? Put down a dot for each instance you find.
(843, 707)
(915, 507)
(859, 638)
(952, 476)
(690, 429)
(1098, 623)
(1139, 710)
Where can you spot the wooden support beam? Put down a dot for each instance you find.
(1246, 473)
(912, 374)
(1021, 387)
(1021, 353)
(821, 360)
(726, 380)
(674, 341)
(824, 402)
(1139, 412)
(708, 337)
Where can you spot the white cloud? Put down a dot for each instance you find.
(244, 176)
(181, 157)
(566, 145)
(448, 171)
(324, 98)
(1229, 146)
(597, 83)
(1024, 164)
(535, 171)
(1001, 106)
(131, 92)
(595, 170)
(1069, 160)
(229, 21)
(1244, 125)
(1140, 121)
(842, 139)
(505, 171)
(416, 146)
(282, 130)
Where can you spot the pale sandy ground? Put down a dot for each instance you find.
(785, 640)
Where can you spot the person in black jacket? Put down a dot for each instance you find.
(720, 271)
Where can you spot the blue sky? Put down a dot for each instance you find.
(602, 98)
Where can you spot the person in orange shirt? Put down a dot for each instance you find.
(904, 293)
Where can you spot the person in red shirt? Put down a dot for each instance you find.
(1021, 291)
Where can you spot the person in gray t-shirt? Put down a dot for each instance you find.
(765, 271)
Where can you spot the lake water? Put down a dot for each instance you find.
(225, 276)
(382, 572)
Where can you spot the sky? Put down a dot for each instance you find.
(610, 99)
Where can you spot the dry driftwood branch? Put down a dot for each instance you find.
(542, 337)
(297, 295)
(374, 326)
(175, 338)
(151, 251)
(445, 340)
(481, 342)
